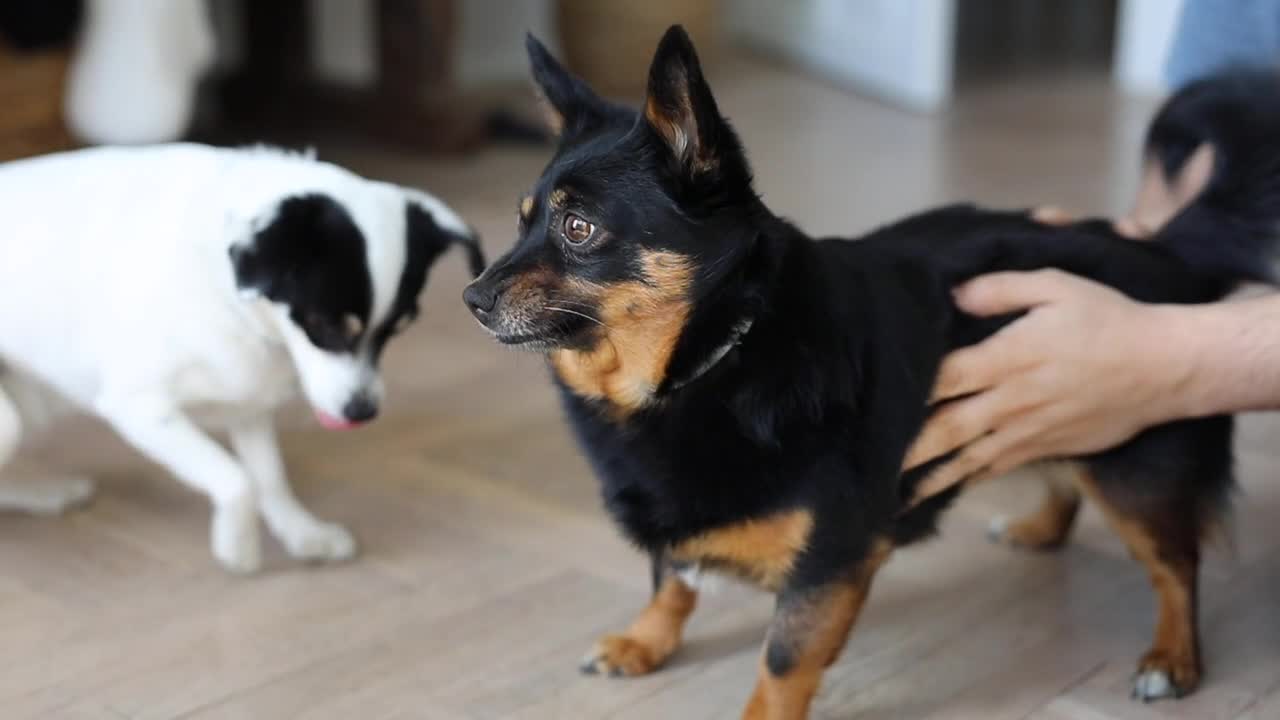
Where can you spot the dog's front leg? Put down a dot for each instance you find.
(655, 634)
(167, 436)
(810, 626)
(302, 534)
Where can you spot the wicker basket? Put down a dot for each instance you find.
(31, 91)
(609, 43)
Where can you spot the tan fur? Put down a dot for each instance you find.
(551, 116)
(818, 631)
(642, 322)
(558, 198)
(1048, 526)
(526, 208)
(653, 636)
(680, 132)
(1175, 649)
(760, 550)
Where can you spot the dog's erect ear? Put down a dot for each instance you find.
(679, 105)
(568, 104)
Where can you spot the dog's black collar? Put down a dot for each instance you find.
(736, 334)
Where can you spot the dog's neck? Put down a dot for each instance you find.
(737, 332)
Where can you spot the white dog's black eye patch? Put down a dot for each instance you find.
(311, 257)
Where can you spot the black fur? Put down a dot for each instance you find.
(816, 405)
(311, 257)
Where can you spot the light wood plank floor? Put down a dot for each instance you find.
(488, 567)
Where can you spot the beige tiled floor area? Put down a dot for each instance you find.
(488, 567)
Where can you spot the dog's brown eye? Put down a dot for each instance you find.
(576, 230)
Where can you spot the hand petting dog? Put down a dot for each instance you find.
(1063, 379)
(1060, 381)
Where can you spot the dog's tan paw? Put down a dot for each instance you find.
(1027, 533)
(622, 655)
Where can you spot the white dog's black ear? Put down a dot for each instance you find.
(433, 228)
(245, 268)
(305, 251)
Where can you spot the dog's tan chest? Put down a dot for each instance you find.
(760, 550)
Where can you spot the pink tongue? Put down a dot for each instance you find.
(332, 423)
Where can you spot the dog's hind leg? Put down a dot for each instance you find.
(1168, 545)
(167, 436)
(41, 496)
(302, 534)
(1048, 527)
(654, 635)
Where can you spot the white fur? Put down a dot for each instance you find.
(116, 293)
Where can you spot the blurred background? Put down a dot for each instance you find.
(487, 564)
(442, 75)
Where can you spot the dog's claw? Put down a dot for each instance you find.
(619, 656)
(997, 528)
(1149, 685)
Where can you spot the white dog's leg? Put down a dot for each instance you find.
(302, 534)
(45, 496)
(168, 437)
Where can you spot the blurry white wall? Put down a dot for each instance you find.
(1144, 35)
(900, 50)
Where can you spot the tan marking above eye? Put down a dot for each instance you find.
(352, 325)
(558, 197)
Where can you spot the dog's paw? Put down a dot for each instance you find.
(315, 540)
(1162, 675)
(1027, 533)
(621, 655)
(47, 496)
(235, 536)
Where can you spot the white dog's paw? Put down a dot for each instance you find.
(47, 496)
(235, 536)
(312, 539)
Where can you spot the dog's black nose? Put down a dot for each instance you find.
(360, 409)
(480, 299)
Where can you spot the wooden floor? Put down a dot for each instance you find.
(488, 566)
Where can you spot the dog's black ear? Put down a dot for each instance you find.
(247, 268)
(433, 229)
(568, 104)
(680, 107)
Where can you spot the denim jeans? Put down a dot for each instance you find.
(1214, 35)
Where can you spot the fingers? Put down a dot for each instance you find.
(1052, 215)
(988, 457)
(1131, 228)
(961, 423)
(1006, 292)
(969, 370)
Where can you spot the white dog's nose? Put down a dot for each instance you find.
(360, 409)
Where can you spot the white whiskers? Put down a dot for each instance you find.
(583, 315)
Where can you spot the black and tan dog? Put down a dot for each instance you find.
(746, 393)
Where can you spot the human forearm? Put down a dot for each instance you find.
(1226, 357)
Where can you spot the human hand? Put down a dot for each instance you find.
(1084, 370)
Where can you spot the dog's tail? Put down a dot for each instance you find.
(1232, 227)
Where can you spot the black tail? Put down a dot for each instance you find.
(1232, 228)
